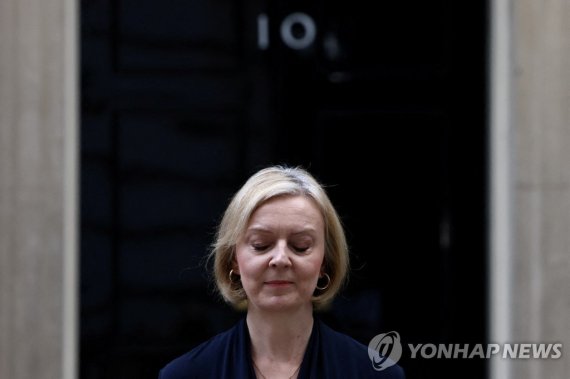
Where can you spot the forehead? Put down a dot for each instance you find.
(298, 211)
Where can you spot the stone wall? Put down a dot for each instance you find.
(38, 189)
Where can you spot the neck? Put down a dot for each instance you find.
(279, 336)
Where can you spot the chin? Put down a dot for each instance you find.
(281, 304)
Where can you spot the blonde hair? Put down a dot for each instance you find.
(264, 185)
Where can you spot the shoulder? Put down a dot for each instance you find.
(354, 355)
(201, 361)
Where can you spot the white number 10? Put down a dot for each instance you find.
(303, 21)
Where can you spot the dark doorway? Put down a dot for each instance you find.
(183, 100)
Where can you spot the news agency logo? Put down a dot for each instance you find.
(385, 350)
(487, 351)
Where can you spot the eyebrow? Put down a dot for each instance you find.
(262, 229)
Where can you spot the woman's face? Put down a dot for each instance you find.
(281, 254)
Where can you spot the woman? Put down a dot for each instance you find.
(280, 253)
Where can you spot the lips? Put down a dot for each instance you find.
(278, 282)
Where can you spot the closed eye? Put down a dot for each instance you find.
(300, 249)
(260, 247)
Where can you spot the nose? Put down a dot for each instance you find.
(279, 256)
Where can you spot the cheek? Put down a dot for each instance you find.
(240, 256)
(248, 265)
(312, 268)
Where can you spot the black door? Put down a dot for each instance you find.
(183, 100)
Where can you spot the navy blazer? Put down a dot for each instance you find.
(329, 354)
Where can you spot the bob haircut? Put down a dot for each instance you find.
(266, 184)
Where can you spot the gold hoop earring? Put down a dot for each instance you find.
(328, 283)
(230, 276)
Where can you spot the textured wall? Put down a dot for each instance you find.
(541, 126)
(37, 188)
